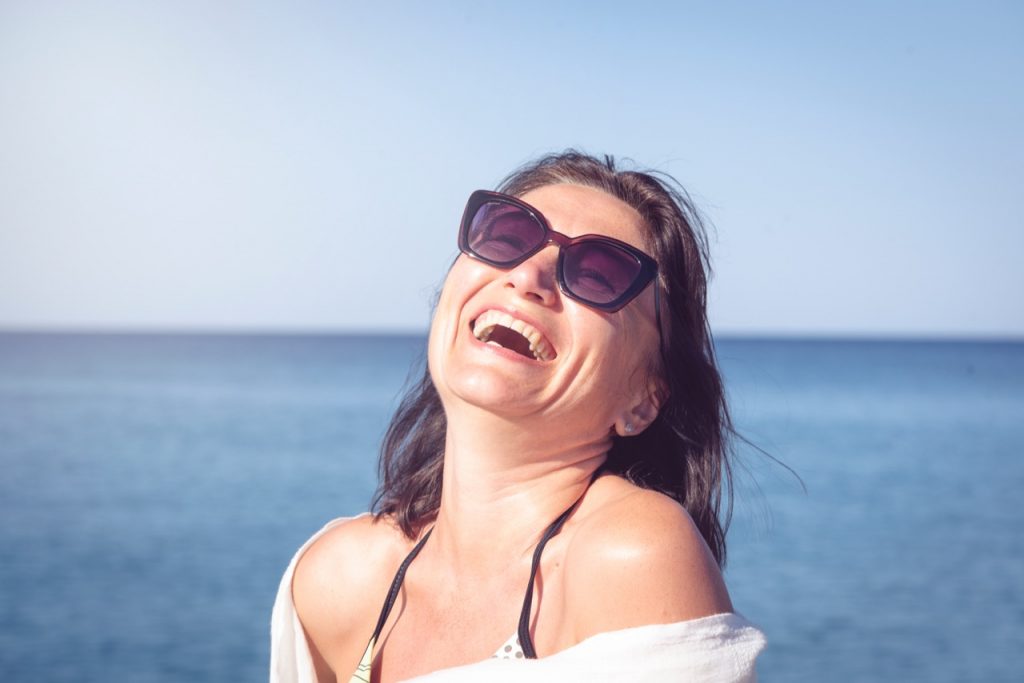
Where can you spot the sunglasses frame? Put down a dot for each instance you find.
(648, 266)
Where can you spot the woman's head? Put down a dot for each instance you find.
(547, 319)
(682, 452)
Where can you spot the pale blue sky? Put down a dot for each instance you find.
(214, 165)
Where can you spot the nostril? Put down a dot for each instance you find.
(535, 279)
(534, 286)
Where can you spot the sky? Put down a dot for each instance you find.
(302, 166)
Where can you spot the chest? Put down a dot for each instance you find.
(435, 627)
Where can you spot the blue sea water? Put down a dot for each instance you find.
(153, 488)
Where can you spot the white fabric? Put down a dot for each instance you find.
(719, 648)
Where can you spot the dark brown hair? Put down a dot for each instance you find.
(684, 453)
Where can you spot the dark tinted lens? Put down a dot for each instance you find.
(599, 272)
(503, 233)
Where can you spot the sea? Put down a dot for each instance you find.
(153, 487)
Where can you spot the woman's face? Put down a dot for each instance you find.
(586, 366)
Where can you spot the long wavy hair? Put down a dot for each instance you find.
(685, 452)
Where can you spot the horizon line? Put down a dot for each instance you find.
(269, 331)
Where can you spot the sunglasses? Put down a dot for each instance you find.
(597, 271)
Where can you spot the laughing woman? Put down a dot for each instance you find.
(549, 508)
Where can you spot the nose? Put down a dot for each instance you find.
(535, 278)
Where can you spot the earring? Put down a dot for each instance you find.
(628, 428)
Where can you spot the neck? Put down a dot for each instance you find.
(504, 483)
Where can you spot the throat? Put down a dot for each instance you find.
(512, 340)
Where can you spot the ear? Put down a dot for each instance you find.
(640, 416)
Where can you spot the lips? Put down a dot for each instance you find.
(502, 329)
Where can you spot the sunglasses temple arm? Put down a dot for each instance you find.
(657, 322)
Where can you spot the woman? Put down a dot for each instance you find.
(551, 488)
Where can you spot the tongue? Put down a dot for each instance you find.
(511, 340)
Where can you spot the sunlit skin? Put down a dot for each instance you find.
(601, 369)
(523, 441)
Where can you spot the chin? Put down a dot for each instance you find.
(485, 388)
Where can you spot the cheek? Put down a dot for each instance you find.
(464, 278)
(461, 280)
(636, 348)
(441, 322)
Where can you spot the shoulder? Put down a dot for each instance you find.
(341, 579)
(637, 558)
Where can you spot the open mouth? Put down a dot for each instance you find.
(501, 329)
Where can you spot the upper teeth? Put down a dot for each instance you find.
(486, 323)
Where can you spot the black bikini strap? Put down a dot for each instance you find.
(524, 617)
(396, 585)
(525, 641)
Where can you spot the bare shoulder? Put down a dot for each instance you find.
(347, 555)
(340, 582)
(637, 558)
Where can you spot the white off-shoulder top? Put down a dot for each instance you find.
(720, 649)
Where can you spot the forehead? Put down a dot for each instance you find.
(578, 210)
